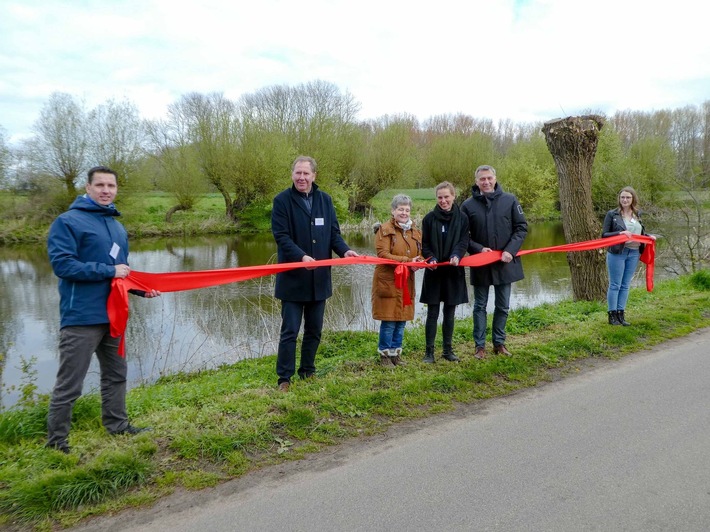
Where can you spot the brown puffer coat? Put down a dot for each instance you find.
(391, 242)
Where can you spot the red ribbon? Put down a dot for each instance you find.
(401, 281)
(117, 304)
(648, 256)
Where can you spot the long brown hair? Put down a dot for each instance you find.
(634, 200)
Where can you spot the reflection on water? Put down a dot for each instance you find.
(186, 331)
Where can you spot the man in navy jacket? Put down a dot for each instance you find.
(87, 248)
(496, 222)
(306, 229)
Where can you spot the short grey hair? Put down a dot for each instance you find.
(305, 159)
(401, 199)
(484, 168)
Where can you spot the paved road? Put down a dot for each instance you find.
(625, 446)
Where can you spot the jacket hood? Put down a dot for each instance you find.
(84, 203)
(476, 192)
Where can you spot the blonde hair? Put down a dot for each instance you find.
(445, 184)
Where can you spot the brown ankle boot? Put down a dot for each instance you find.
(385, 358)
(397, 358)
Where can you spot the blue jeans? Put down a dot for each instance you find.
(391, 334)
(621, 268)
(500, 314)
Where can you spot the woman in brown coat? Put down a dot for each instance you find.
(398, 239)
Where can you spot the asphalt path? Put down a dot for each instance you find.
(623, 446)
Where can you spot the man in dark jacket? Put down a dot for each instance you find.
(496, 222)
(306, 229)
(87, 248)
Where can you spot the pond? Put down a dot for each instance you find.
(191, 330)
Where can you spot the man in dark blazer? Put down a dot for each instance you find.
(306, 229)
(496, 222)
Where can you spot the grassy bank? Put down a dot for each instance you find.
(144, 216)
(216, 425)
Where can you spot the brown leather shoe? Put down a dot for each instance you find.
(284, 386)
(480, 353)
(501, 350)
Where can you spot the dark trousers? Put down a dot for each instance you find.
(292, 314)
(500, 313)
(76, 345)
(447, 327)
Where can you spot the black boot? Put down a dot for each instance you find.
(620, 318)
(449, 354)
(613, 318)
(429, 356)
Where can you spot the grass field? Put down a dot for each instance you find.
(212, 426)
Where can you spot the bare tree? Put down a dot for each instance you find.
(705, 165)
(315, 118)
(4, 159)
(60, 145)
(572, 141)
(214, 131)
(388, 159)
(117, 137)
(178, 170)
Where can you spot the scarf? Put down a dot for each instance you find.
(446, 231)
(405, 227)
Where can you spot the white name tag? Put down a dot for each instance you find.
(114, 250)
(320, 221)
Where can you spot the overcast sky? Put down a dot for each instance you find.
(527, 60)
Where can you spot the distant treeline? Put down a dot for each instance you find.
(243, 149)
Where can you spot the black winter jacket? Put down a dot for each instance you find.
(444, 284)
(497, 222)
(298, 233)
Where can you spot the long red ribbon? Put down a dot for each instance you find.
(118, 311)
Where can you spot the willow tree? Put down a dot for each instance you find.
(572, 141)
(59, 147)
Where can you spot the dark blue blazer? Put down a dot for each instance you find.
(298, 233)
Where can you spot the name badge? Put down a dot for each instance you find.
(320, 221)
(114, 250)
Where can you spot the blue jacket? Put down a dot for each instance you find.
(298, 233)
(79, 246)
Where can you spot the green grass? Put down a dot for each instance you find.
(215, 425)
(423, 200)
(143, 215)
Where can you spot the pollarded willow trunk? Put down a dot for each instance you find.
(572, 141)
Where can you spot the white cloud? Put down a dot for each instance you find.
(525, 60)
